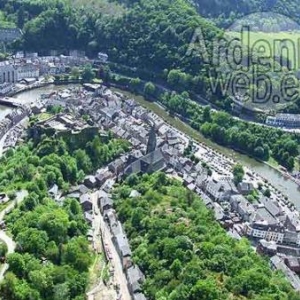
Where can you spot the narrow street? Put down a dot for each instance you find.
(10, 249)
(101, 231)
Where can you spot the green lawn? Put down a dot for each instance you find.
(107, 7)
(291, 40)
(4, 205)
(95, 270)
(44, 116)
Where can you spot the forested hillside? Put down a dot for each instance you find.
(52, 252)
(151, 37)
(225, 12)
(184, 252)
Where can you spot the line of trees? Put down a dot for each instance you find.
(255, 140)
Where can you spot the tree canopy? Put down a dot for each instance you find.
(52, 252)
(184, 253)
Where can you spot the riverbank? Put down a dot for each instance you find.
(265, 170)
(35, 85)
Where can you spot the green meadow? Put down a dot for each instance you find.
(274, 44)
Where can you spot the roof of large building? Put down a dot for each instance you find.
(122, 243)
(278, 263)
(270, 206)
(244, 205)
(139, 296)
(135, 278)
(263, 215)
(85, 198)
(106, 201)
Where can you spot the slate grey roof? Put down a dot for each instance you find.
(135, 277)
(245, 186)
(123, 244)
(188, 179)
(106, 201)
(88, 216)
(139, 296)
(85, 198)
(90, 180)
(151, 162)
(102, 194)
(262, 214)
(293, 279)
(293, 262)
(83, 189)
(114, 165)
(270, 245)
(270, 206)
(116, 227)
(111, 216)
(242, 204)
(153, 157)
(131, 102)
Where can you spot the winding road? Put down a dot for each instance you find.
(3, 236)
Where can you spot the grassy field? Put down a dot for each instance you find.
(111, 8)
(274, 43)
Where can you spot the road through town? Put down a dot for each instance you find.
(101, 230)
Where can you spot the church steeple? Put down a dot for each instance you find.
(151, 145)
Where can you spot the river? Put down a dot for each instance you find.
(286, 186)
(4, 110)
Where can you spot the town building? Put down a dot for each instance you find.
(8, 35)
(293, 263)
(122, 245)
(105, 202)
(264, 230)
(11, 72)
(90, 181)
(149, 163)
(284, 120)
(103, 57)
(86, 202)
(135, 278)
(245, 187)
(240, 205)
(220, 190)
(277, 263)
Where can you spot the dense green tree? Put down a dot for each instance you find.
(88, 74)
(76, 253)
(149, 89)
(16, 264)
(32, 240)
(3, 249)
(238, 173)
